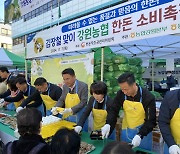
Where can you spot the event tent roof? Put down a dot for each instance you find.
(8, 58)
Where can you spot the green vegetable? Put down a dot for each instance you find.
(119, 59)
(124, 67)
(156, 95)
(133, 69)
(135, 61)
(110, 68)
(107, 60)
(115, 89)
(97, 68)
(117, 74)
(108, 75)
(97, 61)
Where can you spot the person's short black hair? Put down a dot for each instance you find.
(4, 69)
(69, 71)
(117, 147)
(40, 81)
(12, 84)
(21, 80)
(127, 77)
(28, 121)
(168, 72)
(98, 87)
(20, 75)
(65, 141)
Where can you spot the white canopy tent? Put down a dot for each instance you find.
(162, 47)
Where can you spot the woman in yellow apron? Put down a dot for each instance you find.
(96, 108)
(169, 122)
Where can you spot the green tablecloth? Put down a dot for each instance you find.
(99, 144)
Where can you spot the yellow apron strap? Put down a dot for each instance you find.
(175, 125)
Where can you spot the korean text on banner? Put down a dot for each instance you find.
(125, 22)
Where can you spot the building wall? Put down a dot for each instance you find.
(33, 21)
(5, 36)
(19, 50)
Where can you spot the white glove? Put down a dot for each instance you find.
(2, 100)
(66, 111)
(174, 149)
(19, 109)
(136, 141)
(105, 131)
(54, 110)
(77, 129)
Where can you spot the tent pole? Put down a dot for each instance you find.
(152, 75)
(25, 47)
(102, 63)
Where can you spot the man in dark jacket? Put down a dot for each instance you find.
(171, 82)
(139, 112)
(28, 92)
(50, 93)
(169, 121)
(29, 127)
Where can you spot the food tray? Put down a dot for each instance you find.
(9, 121)
(86, 148)
(96, 135)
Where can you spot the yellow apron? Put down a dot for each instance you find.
(175, 126)
(29, 93)
(99, 116)
(134, 114)
(16, 104)
(71, 100)
(48, 101)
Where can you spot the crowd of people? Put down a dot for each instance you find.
(71, 103)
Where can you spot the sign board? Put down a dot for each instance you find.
(14, 9)
(170, 64)
(27, 6)
(51, 69)
(161, 73)
(125, 22)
